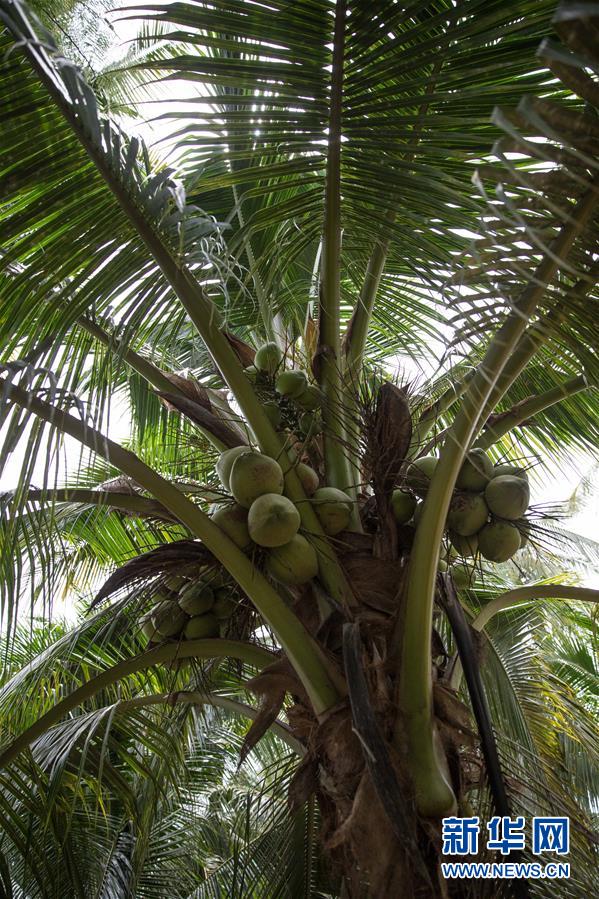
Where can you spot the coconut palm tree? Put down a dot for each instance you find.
(354, 183)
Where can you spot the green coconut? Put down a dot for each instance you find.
(148, 628)
(291, 383)
(403, 505)
(508, 496)
(476, 471)
(273, 520)
(224, 604)
(176, 582)
(308, 478)
(273, 413)
(442, 566)
(450, 553)
(294, 563)
(196, 599)
(310, 398)
(464, 546)
(217, 577)
(252, 475)
(225, 463)
(461, 575)
(268, 358)
(202, 626)
(233, 520)
(468, 512)
(507, 468)
(310, 423)
(168, 619)
(499, 541)
(333, 508)
(420, 472)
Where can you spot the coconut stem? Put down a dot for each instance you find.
(329, 344)
(434, 796)
(528, 408)
(304, 654)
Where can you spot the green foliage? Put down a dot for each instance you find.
(112, 263)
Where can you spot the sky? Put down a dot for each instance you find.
(555, 486)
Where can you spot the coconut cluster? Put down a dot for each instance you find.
(487, 512)
(256, 514)
(285, 390)
(190, 609)
(259, 515)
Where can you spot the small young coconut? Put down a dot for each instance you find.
(273, 520)
(499, 541)
(419, 474)
(225, 462)
(201, 626)
(233, 520)
(252, 475)
(310, 423)
(333, 508)
(475, 472)
(224, 604)
(442, 566)
(467, 514)
(308, 477)
(291, 383)
(148, 628)
(461, 575)
(196, 599)
(294, 563)
(450, 553)
(273, 413)
(309, 399)
(168, 619)
(176, 582)
(508, 496)
(403, 505)
(507, 468)
(268, 358)
(464, 546)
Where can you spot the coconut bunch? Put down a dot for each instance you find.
(487, 515)
(258, 516)
(289, 392)
(189, 609)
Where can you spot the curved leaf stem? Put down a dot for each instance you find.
(168, 652)
(434, 795)
(215, 699)
(505, 422)
(127, 502)
(303, 652)
(516, 597)
(525, 594)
